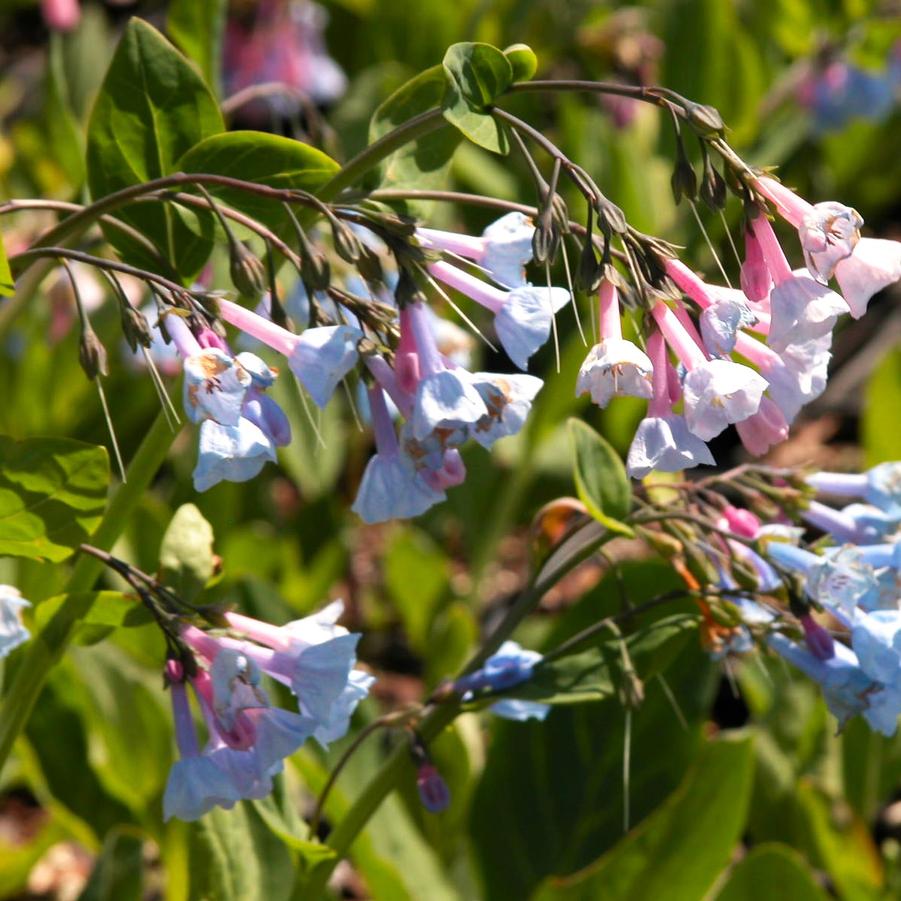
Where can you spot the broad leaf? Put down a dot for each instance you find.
(197, 27)
(7, 285)
(772, 871)
(600, 477)
(235, 857)
(266, 159)
(416, 576)
(423, 164)
(107, 610)
(550, 800)
(153, 106)
(186, 554)
(680, 849)
(476, 74)
(52, 495)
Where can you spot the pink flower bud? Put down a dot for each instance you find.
(742, 522)
(819, 641)
(755, 277)
(61, 15)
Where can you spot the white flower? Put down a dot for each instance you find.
(665, 443)
(802, 310)
(613, 368)
(829, 234)
(720, 392)
(12, 632)
(874, 265)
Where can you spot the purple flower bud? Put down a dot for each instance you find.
(433, 790)
(819, 641)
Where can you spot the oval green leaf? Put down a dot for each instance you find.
(52, 495)
(600, 477)
(266, 159)
(476, 75)
(152, 107)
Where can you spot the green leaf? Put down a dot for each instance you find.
(266, 159)
(522, 60)
(235, 857)
(595, 674)
(600, 477)
(550, 799)
(52, 495)
(423, 164)
(7, 284)
(64, 133)
(772, 871)
(416, 576)
(107, 610)
(186, 554)
(197, 27)
(128, 727)
(476, 75)
(152, 107)
(681, 848)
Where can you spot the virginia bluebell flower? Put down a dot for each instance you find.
(872, 264)
(503, 250)
(320, 357)
(433, 791)
(613, 367)
(662, 440)
(391, 487)
(509, 666)
(522, 316)
(880, 486)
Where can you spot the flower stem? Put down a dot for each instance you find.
(47, 647)
(442, 715)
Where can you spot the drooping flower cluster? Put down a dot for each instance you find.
(705, 366)
(855, 580)
(247, 737)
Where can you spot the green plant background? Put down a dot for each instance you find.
(537, 808)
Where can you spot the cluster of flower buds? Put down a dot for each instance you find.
(704, 352)
(248, 738)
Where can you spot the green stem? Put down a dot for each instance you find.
(442, 715)
(371, 156)
(48, 646)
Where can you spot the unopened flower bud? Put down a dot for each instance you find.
(704, 119)
(370, 266)
(135, 327)
(433, 790)
(91, 353)
(819, 641)
(755, 276)
(611, 215)
(684, 182)
(545, 241)
(247, 272)
(713, 187)
(347, 244)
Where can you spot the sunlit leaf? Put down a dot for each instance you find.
(153, 106)
(477, 74)
(186, 554)
(52, 495)
(601, 480)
